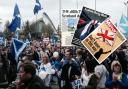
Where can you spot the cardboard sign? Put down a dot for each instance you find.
(103, 41)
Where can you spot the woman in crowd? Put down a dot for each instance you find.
(101, 73)
(117, 79)
(46, 70)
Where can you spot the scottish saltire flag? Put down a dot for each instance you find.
(16, 21)
(16, 11)
(17, 47)
(37, 7)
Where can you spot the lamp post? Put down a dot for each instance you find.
(126, 4)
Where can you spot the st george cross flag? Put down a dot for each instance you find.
(16, 21)
(37, 7)
(17, 47)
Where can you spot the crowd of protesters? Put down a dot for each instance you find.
(40, 65)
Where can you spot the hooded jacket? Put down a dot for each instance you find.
(121, 83)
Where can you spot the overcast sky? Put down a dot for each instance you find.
(114, 8)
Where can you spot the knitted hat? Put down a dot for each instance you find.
(55, 54)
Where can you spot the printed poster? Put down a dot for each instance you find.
(88, 21)
(69, 20)
(103, 41)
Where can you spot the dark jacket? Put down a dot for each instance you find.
(92, 84)
(35, 83)
(69, 71)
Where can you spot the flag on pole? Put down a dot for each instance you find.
(123, 25)
(17, 47)
(37, 7)
(16, 21)
(16, 11)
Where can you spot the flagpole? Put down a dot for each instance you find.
(60, 21)
(21, 25)
(95, 5)
(77, 3)
(36, 26)
(60, 11)
(126, 4)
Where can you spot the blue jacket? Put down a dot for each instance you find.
(122, 84)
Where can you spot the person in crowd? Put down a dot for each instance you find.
(88, 77)
(35, 54)
(85, 75)
(121, 55)
(70, 71)
(55, 61)
(57, 65)
(24, 59)
(65, 57)
(4, 79)
(102, 74)
(45, 71)
(117, 79)
(28, 78)
(79, 58)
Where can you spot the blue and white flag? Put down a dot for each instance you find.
(16, 11)
(16, 21)
(17, 47)
(123, 25)
(1, 40)
(37, 7)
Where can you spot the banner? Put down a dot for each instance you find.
(68, 25)
(88, 21)
(103, 41)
